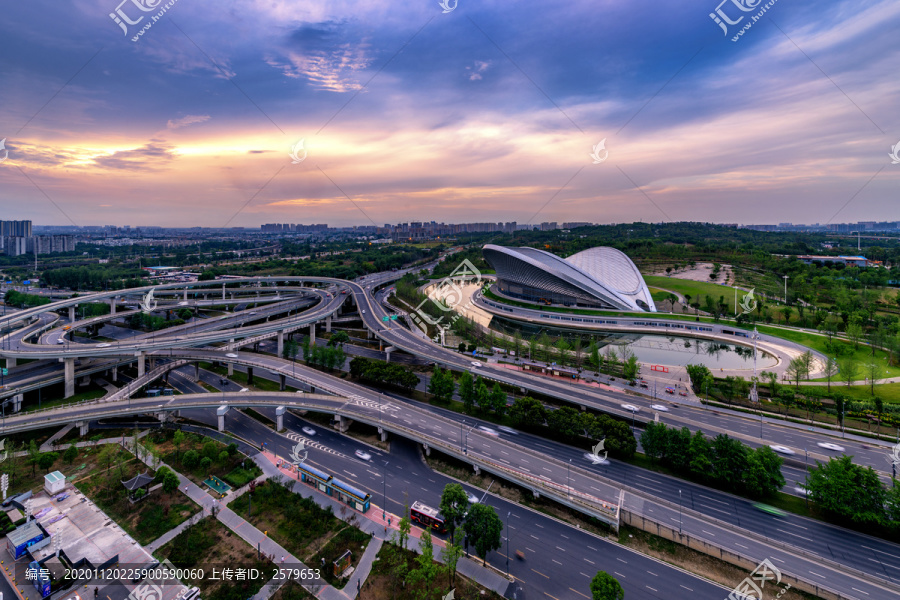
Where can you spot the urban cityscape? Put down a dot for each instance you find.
(440, 301)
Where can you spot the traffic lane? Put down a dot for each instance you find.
(407, 480)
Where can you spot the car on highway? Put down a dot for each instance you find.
(60, 341)
(363, 455)
(670, 391)
(830, 446)
(682, 393)
(242, 390)
(660, 407)
(781, 449)
(769, 509)
(475, 363)
(645, 385)
(473, 499)
(488, 430)
(231, 355)
(308, 430)
(508, 430)
(631, 407)
(104, 345)
(364, 312)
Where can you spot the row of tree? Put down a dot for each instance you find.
(723, 462)
(846, 491)
(383, 373)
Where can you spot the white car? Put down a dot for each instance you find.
(830, 446)
(475, 363)
(473, 499)
(308, 431)
(242, 390)
(104, 345)
(364, 312)
(631, 407)
(782, 450)
(506, 429)
(231, 355)
(362, 454)
(487, 430)
(60, 341)
(182, 303)
(659, 407)
(800, 490)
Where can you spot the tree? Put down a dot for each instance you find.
(565, 422)
(190, 459)
(70, 454)
(205, 463)
(527, 412)
(404, 526)
(170, 482)
(786, 312)
(730, 462)
(700, 453)
(46, 460)
(630, 367)
(453, 551)
(177, 441)
(606, 587)
(426, 570)
(483, 527)
(847, 491)
(454, 505)
(763, 476)
(795, 370)
(461, 347)
(517, 343)
(497, 399)
(848, 369)
(855, 333)
(441, 385)
(467, 390)
(654, 440)
(872, 371)
(831, 369)
(772, 377)
(482, 395)
(34, 455)
(338, 338)
(594, 356)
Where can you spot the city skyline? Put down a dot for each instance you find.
(482, 114)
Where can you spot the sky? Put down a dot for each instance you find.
(602, 111)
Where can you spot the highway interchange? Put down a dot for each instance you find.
(831, 554)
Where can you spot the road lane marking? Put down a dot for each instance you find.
(860, 591)
(620, 560)
(619, 574)
(686, 587)
(590, 561)
(580, 594)
(542, 575)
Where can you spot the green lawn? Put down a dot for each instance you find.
(697, 289)
(889, 392)
(57, 402)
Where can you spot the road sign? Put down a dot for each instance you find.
(385, 319)
(5, 371)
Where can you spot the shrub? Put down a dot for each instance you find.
(223, 456)
(232, 449)
(206, 463)
(190, 459)
(70, 454)
(47, 459)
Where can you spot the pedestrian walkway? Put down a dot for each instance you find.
(362, 570)
(48, 445)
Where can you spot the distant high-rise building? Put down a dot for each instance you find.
(15, 229)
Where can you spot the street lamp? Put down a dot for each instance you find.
(383, 489)
(632, 418)
(785, 288)
(568, 488)
(806, 476)
(679, 511)
(507, 543)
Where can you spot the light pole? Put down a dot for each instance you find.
(806, 477)
(507, 543)
(383, 489)
(785, 288)
(632, 419)
(679, 511)
(568, 488)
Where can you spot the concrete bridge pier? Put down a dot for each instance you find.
(383, 434)
(249, 375)
(83, 427)
(280, 343)
(112, 305)
(71, 314)
(185, 293)
(282, 379)
(312, 334)
(328, 324)
(142, 363)
(223, 291)
(16, 403)
(427, 449)
(343, 423)
(69, 364)
(114, 373)
(231, 365)
(279, 418)
(10, 362)
(477, 469)
(536, 493)
(162, 416)
(387, 353)
(220, 414)
(197, 371)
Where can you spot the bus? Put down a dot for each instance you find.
(427, 517)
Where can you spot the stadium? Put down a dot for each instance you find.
(599, 277)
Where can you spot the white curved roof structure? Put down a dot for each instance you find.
(602, 277)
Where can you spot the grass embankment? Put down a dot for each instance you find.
(303, 528)
(208, 545)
